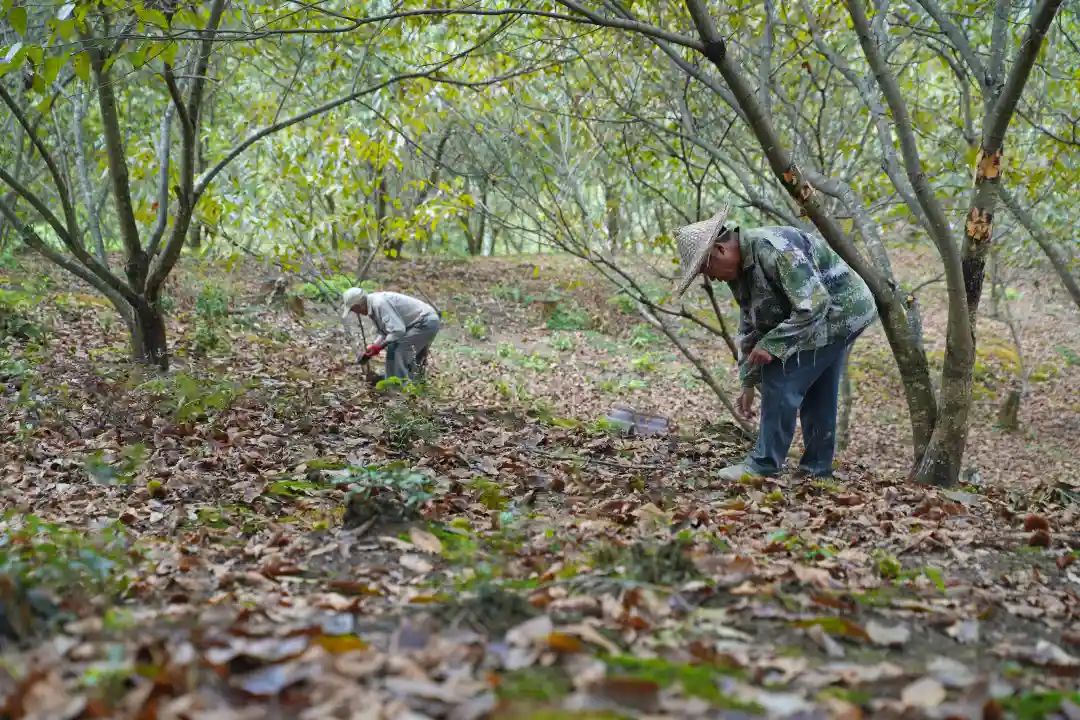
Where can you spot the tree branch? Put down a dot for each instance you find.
(1001, 114)
(50, 162)
(31, 238)
(164, 144)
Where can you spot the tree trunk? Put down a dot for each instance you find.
(148, 342)
(940, 463)
(1009, 414)
(195, 235)
(613, 206)
(843, 422)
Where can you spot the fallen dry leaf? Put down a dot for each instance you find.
(885, 635)
(425, 540)
(923, 693)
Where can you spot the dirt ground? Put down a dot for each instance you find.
(260, 534)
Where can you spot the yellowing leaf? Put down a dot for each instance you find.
(564, 643)
(338, 644)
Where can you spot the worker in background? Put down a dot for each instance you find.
(801, 308)
(406, 327)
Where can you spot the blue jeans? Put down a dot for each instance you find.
(807, 385)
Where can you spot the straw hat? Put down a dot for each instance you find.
(694, 242)
(351, 298)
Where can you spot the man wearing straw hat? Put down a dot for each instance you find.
(801, 307)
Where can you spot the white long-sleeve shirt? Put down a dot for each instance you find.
(393, 313)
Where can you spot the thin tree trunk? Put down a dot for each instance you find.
(612, 207)
(83, 171)
(843, 421)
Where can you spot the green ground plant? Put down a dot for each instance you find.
(188, 398)
(15, 320)
(390, 493)
(564, 318)
(66, 563)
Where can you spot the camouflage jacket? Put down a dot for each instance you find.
(794, 294)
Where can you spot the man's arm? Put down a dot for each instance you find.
(749, 375)
(801, 283)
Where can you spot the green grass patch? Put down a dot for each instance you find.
(650, 562)
(1036, 705)
(564, 318)
(699, 680)
(536, 684)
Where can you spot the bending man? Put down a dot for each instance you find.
(406, 326)
(801, 307)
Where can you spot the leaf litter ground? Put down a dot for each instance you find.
(259, 534)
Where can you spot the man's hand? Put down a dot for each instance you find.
(759, 357)
(373, 350)
(745, 403)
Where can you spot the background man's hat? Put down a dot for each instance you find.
(694, 242)
(351, 298)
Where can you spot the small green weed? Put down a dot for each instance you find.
(538, 684)
(189, 398)
(623, 303)
(696, 680)
(391, 493)
(886, 565)
(72, 563)
(406, 425)
(827, 485)
(1070, 355)
(107, 469)
(650, 562)
(643, 336)
(211, 313)
(647, 363)
(476, 328)
(563, 318)
(1037, 705)
(512, 293)
(562, 342)
(15, 320)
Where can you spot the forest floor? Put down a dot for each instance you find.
(260, 534)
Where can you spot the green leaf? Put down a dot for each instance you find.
(17, 18)
(66, 28)
(169, 53)
(45, 105)
(52, 67)
(82, 66)
(137, 57)
(152, 16)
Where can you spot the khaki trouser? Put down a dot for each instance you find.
(401, 355)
